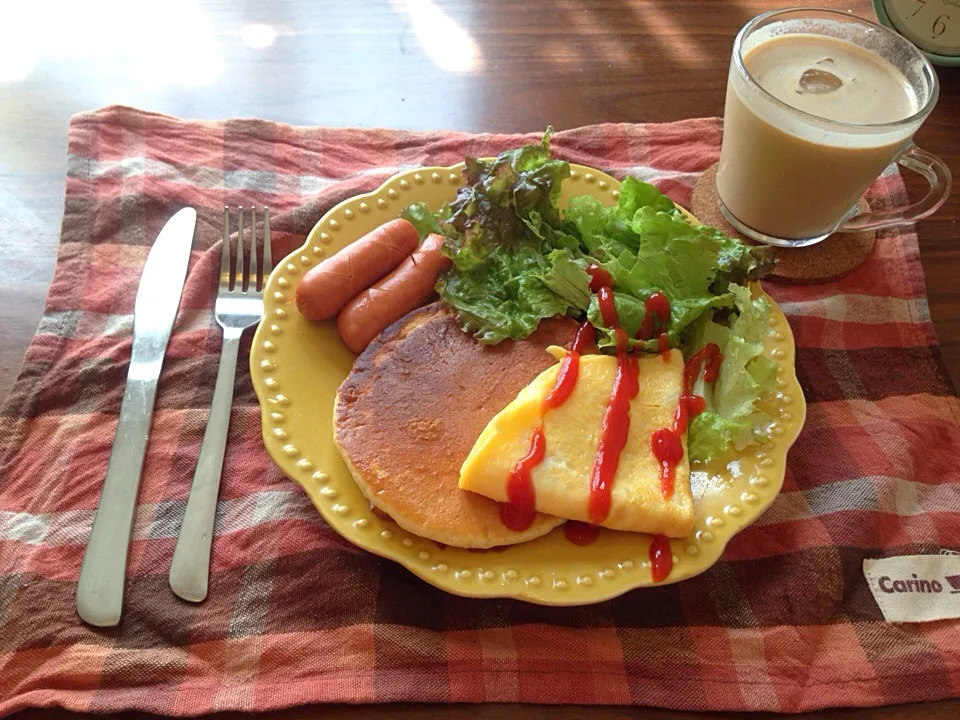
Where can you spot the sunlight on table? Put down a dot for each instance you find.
(444, 42)
(169, 43)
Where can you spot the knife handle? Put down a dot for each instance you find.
(102, 575)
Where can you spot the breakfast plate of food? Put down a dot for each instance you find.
(519, 377)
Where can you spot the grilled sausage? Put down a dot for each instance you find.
(405, 289)
(326, 288)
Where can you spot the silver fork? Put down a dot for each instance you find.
(239, 305)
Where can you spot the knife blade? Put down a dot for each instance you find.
(102, 575)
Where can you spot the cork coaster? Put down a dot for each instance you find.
(828, 260)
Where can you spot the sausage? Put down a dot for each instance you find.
(326, 288)
(405, 289)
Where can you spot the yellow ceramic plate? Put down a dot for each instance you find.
(297, 367)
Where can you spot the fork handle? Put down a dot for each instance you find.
(190, 569)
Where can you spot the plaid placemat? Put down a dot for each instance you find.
(296, 614)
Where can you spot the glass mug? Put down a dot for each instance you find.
(791, 178)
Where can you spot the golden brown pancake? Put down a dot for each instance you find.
(411, 409)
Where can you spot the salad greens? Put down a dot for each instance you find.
(514, 260)
(517, 260)
(732, 416)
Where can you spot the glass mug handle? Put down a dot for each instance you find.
(936, 173)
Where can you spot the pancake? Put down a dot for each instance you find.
(411, 410)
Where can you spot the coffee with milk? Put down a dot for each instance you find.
(781, 172)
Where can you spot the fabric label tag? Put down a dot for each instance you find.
(915, 588)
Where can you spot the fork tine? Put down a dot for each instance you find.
(225, 249)
(267, 254)
(236, 281)
(251, 283)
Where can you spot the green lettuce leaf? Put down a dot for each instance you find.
(631, 311)
(509, 201)
(664, 253)
(514, 261)
(703, 331)
(423, 219)
(710, 436)
(508, 294)
(586, 217)
(734, 419)
(647, 245)
(737, 262)
(636, 195)
(568, 278)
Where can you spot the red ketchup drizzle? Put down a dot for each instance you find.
(661, 558)
(663, 345)
(710, 358)
(598, 278)
(580, 533)
(668, 450)
(519, 511)
(688, 408)
(608, 310)
(569, 369)
(666, 442)
(616, 419)
(656, 310)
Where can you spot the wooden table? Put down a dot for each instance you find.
(485, 65)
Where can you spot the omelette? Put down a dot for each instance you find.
(573, 432)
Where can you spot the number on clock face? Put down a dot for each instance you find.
(932, 25)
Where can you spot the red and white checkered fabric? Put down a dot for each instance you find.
(298, 615)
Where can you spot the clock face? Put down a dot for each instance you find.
(931, 25)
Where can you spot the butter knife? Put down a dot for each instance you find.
(102, 575)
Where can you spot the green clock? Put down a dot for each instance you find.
(931, 25)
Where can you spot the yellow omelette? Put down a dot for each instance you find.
(573, 431)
